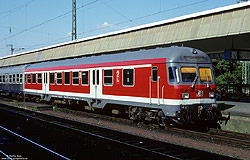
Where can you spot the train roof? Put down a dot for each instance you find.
(172, 54)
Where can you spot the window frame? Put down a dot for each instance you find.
(10, 78)
(82, 78)
(20, 78)
(128, 85)
(196, 73)
(13, 78)
(17, 78)
(4, 78)
(29, 78)
(176, 74)
(61, 78)
(39, 78)
(51, 79)
(74, 78)
(211, 75)
(152, 73)
(112, 77)
(32, 78)
(64, 73)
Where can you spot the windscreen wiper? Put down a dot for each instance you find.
(207, 79)
(195, 80)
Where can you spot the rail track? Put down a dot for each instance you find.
(234, 139)
(107, 142)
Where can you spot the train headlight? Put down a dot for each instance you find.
(211, 95)
(185, 96)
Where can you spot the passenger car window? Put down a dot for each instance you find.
(14, 78)
(154, 74)
(52, 78)
(29, 78)
(85, 77)
(108, 77)
(33, 78)
(39, 78)
(205, 74)
(10, 78)
(59, 78)
(67, 78)
(188, 74)
(17, 78)
(21, 78)
(75, 78)
(128, 77)
(4, 80)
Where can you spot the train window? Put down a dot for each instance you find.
(173, 74)
(188, 74)
(25, 78)
(154, 74)
(14, 78)
(205, 74)
(1, 79)
(59, 78)
(4, 80)
(52, 78)
(75, 78)
(128, 77)
(10, 78)
(29, 78)
(96, 76)
(67, 78)
(85, 77)
(17, 78)
(108, 77)
(21, 78)
(33, 78)
(39, 78)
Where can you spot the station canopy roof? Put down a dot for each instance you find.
(212, 31)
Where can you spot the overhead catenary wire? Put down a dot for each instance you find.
(128, 20)
(149, 15)
(59, 16)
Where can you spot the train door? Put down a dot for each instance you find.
(45, 82)
(96, 84)
(154, 86)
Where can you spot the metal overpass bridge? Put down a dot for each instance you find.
(212, 31)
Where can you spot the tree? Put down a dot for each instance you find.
(227, 73)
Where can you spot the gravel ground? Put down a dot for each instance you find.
(221, 149)
(150, 133)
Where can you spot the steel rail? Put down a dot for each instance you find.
(145, 145)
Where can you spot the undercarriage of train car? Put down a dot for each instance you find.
(194, 116)
(200, 115)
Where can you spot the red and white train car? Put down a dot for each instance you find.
(174, 84)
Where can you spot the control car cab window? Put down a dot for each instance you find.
(188, 74)
(173, 74)
(205, 74)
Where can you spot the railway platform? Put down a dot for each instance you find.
(235, 107)
(240, 114)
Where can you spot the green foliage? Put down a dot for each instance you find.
(227, 72)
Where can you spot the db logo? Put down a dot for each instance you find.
(199, 93)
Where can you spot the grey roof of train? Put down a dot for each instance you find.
(173, 54)
(13, 69)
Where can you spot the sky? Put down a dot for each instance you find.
(33, 24)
